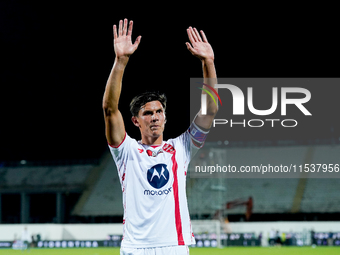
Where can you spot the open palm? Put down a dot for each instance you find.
(200, 47)
(122, 40)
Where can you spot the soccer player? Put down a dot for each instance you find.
(152, 171)
(26, 239)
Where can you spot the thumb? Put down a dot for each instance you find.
(137, 41)
(190, 48)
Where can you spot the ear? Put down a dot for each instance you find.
(165, 118)
(135, 121)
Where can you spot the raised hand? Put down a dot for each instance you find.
(200, 48)
(122, 41)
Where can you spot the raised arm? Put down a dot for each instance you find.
(200, 48)
(114, 125)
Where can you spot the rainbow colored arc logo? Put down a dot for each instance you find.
(209, 93)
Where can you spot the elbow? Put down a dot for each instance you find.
(212, 111)
(108, 108)
(105, 105)
(109, 104)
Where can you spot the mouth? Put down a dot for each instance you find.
(154, 126)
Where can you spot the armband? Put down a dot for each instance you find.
(197, 134)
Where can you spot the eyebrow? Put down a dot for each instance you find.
(150, 111)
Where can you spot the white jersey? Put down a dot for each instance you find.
(154, 191)
(26, 236)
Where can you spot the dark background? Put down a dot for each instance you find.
(56, 59)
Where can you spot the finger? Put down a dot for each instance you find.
(192, 40)
(125, 27)
(114, 32)
(197, 35)
(204, 37)
(190, 48)
(120, 28)
(137, 41)
(130, 28)
(193, 34)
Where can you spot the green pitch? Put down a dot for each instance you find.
(193, 251)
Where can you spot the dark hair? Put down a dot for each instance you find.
(140, 100)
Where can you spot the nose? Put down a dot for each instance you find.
(154, 118)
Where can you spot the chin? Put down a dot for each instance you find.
(157, 133)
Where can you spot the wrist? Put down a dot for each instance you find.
(122, 60)
(207, 61)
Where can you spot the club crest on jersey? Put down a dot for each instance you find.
(158, 176)
(153, 153)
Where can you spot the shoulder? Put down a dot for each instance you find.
(125, 145)
(179, 141)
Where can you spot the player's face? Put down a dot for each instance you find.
(151, 119)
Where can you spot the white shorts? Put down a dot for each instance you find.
(166, 250)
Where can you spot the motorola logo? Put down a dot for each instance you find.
(158, 176)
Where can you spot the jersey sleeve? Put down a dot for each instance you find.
(120, 155)
(192, 140)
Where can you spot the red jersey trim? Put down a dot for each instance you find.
(178, 220)
(196, 144)
(112, 146)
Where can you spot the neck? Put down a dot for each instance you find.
(147, 140)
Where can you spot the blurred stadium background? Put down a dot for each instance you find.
(79, 203)
(57, 177)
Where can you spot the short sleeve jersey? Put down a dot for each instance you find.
(153, 181)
